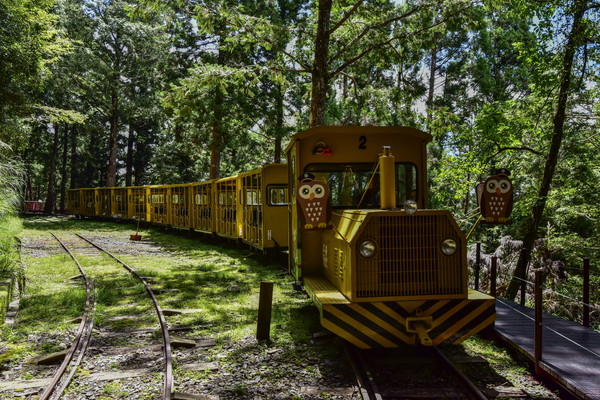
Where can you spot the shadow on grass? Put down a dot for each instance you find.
(58, 307)
(70, 223)
(222, 280)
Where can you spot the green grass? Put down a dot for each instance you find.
(502, 369)
(10, 268)
(216, 286)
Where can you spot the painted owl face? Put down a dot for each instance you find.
(495, 199)
(498, 186)
(313, 201)
(310, 192)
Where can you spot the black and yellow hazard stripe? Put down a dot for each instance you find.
(383, 324)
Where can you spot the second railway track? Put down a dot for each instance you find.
(123, 350)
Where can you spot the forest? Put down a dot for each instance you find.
(137, 92)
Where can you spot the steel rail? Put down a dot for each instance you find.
(168, 381)
(364, 380)
(82, 337)
(369, 390)
(472, 391)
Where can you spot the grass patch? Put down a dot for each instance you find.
(114, 390)
(216, 286)
(10, 267)
(502, 367)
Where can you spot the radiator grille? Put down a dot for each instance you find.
(409, 261)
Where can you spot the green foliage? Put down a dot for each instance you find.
(188, 84)
(11, 179)
(29, 43)
(11, 271)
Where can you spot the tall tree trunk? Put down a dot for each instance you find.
(139, 164)
(140, 157)
(129, 161)
(279, 128)
(51, 193)
(432, 69)
(63, 172)
(91, 174)
(29, 189)
(320, 73)
(74, 160)
(216, 135)
(111, 177)
(575, 39)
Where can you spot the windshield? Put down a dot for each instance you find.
(356, 185)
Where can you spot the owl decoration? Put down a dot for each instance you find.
(313, 198)
(495, 198)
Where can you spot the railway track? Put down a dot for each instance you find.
(64, 374)
(409, 373)
(73, 358)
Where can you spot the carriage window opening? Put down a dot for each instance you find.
(157, 198)
(348, 182)
(202, 199)
(278, 195)
(226, 198)
(253, 197)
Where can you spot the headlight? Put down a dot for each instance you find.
(367, 248)
(449, 247)
(410, 206)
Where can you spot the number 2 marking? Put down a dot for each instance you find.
(362, 143)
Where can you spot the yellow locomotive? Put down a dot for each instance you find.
(381, 268)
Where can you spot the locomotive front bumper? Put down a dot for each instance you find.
(392, 323)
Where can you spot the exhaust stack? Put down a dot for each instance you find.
(388, 179)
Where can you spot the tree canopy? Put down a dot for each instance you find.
(135, 92)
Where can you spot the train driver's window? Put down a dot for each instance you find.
(278, 195)
(356, 185)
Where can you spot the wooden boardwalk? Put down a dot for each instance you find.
(571, 352)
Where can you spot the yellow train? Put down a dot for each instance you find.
(351, 209)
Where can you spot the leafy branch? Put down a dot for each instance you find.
(370, 49)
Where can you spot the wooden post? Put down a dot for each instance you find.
(265, 305)
(493, 274)
(538, 321)
(586, 292)
(477, 263)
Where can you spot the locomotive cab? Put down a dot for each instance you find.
(379, 274)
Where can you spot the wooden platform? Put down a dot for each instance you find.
(571, 352)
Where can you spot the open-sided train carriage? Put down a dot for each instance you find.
(264, 207)
(157, 204)
(178, 208)
(137, 203)
(201, 206)
(227, 208)
(75, 203)
(91, 205)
